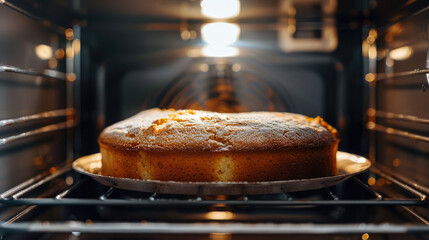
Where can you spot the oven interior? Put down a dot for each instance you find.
(70, 68)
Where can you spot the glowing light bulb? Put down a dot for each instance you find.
(220, 33)
(220, 9)
(220, 215)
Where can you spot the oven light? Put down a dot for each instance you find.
(236, 67)
(52, 63)
(370, 77)
(219, 51)
(76, 46)
(204, 67)
(69, 34)
(396, 162)
(371, 181)
(401, 53)
(372, 52)
(69, 52)
(60, 53)
(220, 236)
(69, 181)
(43, 51)
(219, 215)
(220, 8)
(220, 33)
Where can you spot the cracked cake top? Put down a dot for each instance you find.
(193, 130)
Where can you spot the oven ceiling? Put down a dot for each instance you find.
(174, 9)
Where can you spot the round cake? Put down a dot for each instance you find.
(202, 146)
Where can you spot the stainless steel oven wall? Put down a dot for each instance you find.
(399, 97)
(32, 86)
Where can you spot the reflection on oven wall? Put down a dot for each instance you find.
(25, 44)
(399, 100)
(226, 87)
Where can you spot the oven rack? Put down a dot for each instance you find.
(46, 73)
(373, 113)
(16, 196)
(68, 112)
(374, 77)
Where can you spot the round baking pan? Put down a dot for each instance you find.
(348, 165)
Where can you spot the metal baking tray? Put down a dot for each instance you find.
(348, 165)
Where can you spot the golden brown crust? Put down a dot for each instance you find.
(158, 130)
(252, 166)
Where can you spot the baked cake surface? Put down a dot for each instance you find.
(192, 145)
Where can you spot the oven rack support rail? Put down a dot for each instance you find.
(374, 77)
(16, 197)
(69, 112)
(53, 74)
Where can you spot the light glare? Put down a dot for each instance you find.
(372, 52)
(43, 52)
(236, 67)
(220, 33)
(220, 51)
(401, 53)
(204, 67)
(76, 46)
(220, 9)
(220, 215)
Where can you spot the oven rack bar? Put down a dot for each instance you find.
(46, 73)
(38, 116)
(13, 197)
(406, 187)
(194, 202)
(402, 117)
(384, 76)
(376, 194)
(43, 177)
(406, 180)
(202, 228)
(45, 129)
(21, 214)
(388, 130)
(416, 215)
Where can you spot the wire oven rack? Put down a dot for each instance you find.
(72, 182)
